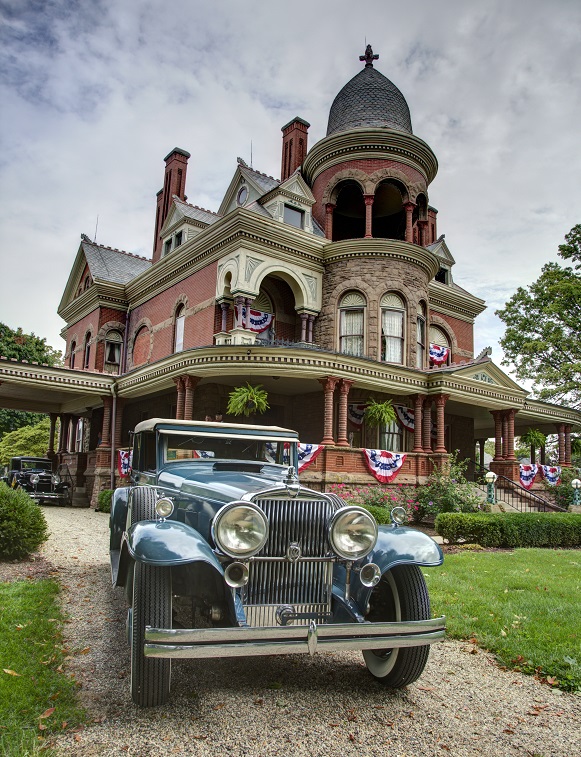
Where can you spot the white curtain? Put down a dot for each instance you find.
(392, 335)
(352, 332)
(391, 437)
(179, 341)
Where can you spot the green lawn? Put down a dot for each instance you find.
(36, 698)
(522, 605)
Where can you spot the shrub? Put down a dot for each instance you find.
(447, 491)
(379, 500)
(22, 524)
(562, 493)
(512, 529)
(104, 501)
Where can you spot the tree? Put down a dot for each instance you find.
(29, 441)
(21, 346)
(543, 323)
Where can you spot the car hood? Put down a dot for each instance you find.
(220, 480)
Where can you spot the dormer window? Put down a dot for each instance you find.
(167, 247)
(294, 217)
(178, 239)
(443, 276)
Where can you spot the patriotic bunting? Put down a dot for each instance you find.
(528, 474)
(308, 453)
(271, 453)
(356, 413)
(438, 354)
(552, 474)
(204, 454)
(407, 418)
(124, 460)
(383, 465)
(259, 321)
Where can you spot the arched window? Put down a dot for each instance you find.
(421, 336)
(388, 214)
(72, 357)
(178, 343)
(141, 346)
(349, 213)
(392, 328)
(113, 342)
(440, 351)
(87, 351)
(352, 324)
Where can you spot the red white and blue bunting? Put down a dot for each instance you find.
(308, 453)
(407, 418)
(259, 321)
(355, 414)
(271, 449)
(383, 465)
(438, 354)
(552, 474)
(124, 460)
(204, 454)
(528, 474)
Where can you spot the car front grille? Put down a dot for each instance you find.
(304, 585)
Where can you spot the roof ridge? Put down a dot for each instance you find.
(196, 207)
(260, 173)
(115, 249)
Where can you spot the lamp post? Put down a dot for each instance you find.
(490, 481)
(576, 484)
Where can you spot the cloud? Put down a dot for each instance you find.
(96, 94)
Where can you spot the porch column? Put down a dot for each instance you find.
(179, 382)
(225, 308)
(247, 303)
(304, 318)
(190, 383)
(329, 383)
(118, 421)
(481, 443)
(329, 208)
(504, 435)
(368, 199)
(419, 400)
(497, 415)
(106, 428)
(561, 432)
(239, 304)
(510, 434)
(344, 387)
(409, 231)
(543, 455)
(441, 400)
(427, 426)
(567, 445)
(60, 448)
(50, 450)
(311, 322)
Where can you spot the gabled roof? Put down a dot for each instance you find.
(183, 211)
(259, 184)
(295, 187)
(441, 249)
(106, 265)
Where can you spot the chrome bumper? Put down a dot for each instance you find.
(202, 643)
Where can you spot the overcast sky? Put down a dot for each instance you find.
(95, 94)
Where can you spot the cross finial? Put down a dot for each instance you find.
(369, 57)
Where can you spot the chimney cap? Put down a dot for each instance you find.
(178, 151)
(295, 120)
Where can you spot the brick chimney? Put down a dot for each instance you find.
(294, 146)
(174, 183)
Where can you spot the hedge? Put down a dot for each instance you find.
(22, 524)
(512, 529)
(104, 501)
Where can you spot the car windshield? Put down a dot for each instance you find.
(35, 465)
(225, 448)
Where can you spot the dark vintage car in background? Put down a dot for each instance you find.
(36, 477)
(223, 553)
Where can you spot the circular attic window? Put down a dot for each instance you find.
(242, 195)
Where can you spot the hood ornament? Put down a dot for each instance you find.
(292, 482)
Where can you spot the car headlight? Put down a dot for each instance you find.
(240, 529)
(164, 507)
(56, 479)
(353, 533)
(34, 478)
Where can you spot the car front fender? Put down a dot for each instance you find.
(398, 546)
(169, 543)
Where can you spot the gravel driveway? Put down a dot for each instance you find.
(327, 705)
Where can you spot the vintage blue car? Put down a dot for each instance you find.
(222, 553)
